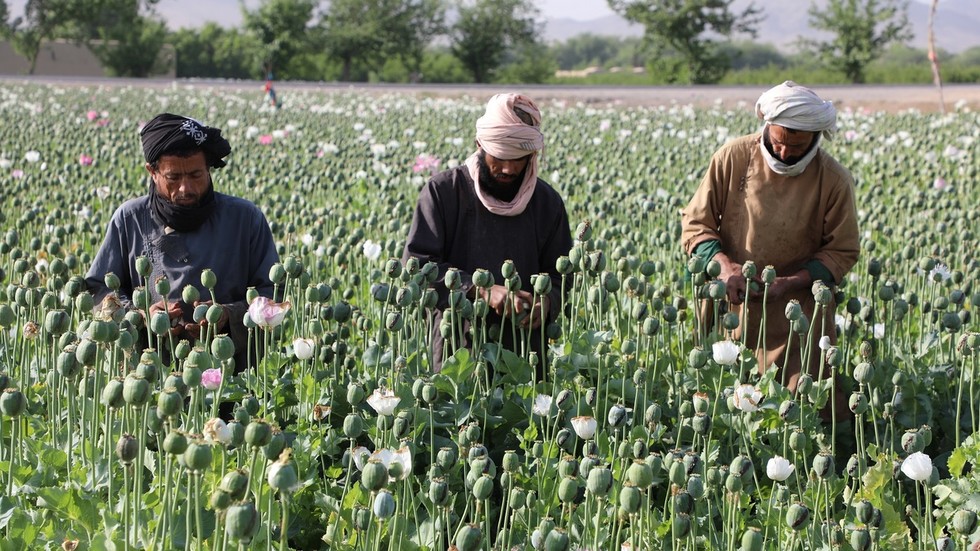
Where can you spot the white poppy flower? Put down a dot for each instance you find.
(779, 468)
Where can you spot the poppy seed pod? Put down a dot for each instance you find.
(793, 310)
(374, 476)
(242, 521)
(797, 516)
(175, 443)
(823, 465)
(384, 505)
(751, 540)
(235, 484)
(190, 294)
(469, 537)
(438, 492)
(258, 433)
(681, 526)
(600, 481)
(208, 278)
(965, 522)
(640, 474)
(630, 498)
(197, 456)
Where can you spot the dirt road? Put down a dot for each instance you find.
(872, 97)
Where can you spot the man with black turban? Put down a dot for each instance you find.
(182, 227)
(491, 210)
(777, 198)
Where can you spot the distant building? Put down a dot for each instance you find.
(64, 58)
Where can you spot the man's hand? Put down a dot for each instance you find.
(731, 276)
(504, 304)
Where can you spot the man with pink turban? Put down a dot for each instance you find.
(776, 198)
(490, 210)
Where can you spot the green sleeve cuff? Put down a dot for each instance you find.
(819, 272)
(708, 249)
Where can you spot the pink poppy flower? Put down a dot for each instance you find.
(17, 173)
(85, 160)
(267, 313)
(265, 139)
(426, 163)
(92, 115)
(211, 379)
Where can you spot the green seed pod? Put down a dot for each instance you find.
(277, 273)
(374, 476)
(438, 492)
(701, 423)
(751, 540)
(208, 280)
(143, 266)
(797, 516)
(857, 403)
(276, 444)
(384, 503)
(214, 313)
(67, 364)
(860, 539)
(191, 376)
(912, 441)
(103, 331)
(678, 473)
(222, 347)
(864, 372)
(362, 518)
(242, 522)
(793, 310)
(568, 489)
(282, 476)
(823, 465)
(175, 443)
(683, 502)
(136, 390)
(197, 456)
(258, 433)
(56, 322)
(697, 357)
(695, 486)
(681, 526)
(355, 394)
(353, 426)
(127, 448)
(446, 458)
(804, 384)
(789, 411)
(469, 537)
(964, 522)
(235, 484)
(13, 403)
(112, 393)
(159, 323)
(556, 540)
(219, 500)
(600, 481)
(630, 499)
(511, 461)
(483, 487)
(190, 294)
(733, 483)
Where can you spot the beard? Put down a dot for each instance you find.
(499, 188)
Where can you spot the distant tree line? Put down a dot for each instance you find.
(685, 41)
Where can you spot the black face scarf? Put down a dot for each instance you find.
(503, 192)
(179, 217)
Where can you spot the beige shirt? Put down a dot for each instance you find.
(782, 221)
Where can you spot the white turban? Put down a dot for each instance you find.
(798, 108)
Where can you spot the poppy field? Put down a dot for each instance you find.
(636, 431)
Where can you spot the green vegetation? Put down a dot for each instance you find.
(488, 41)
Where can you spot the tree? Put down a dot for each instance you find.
(679, 33)
(87, 21)
(487, 30)
(586, 50)
(861, 28)
(283, 30)
(362, 35)
(213, 51)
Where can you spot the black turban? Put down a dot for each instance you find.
(167, 133)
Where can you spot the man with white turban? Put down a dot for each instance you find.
(776, 198)
(491, 209)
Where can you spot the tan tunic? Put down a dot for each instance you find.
(783, 221)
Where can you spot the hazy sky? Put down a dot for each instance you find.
(182, 13)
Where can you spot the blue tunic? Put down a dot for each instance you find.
(235, 242)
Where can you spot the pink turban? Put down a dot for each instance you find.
(502, 134)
